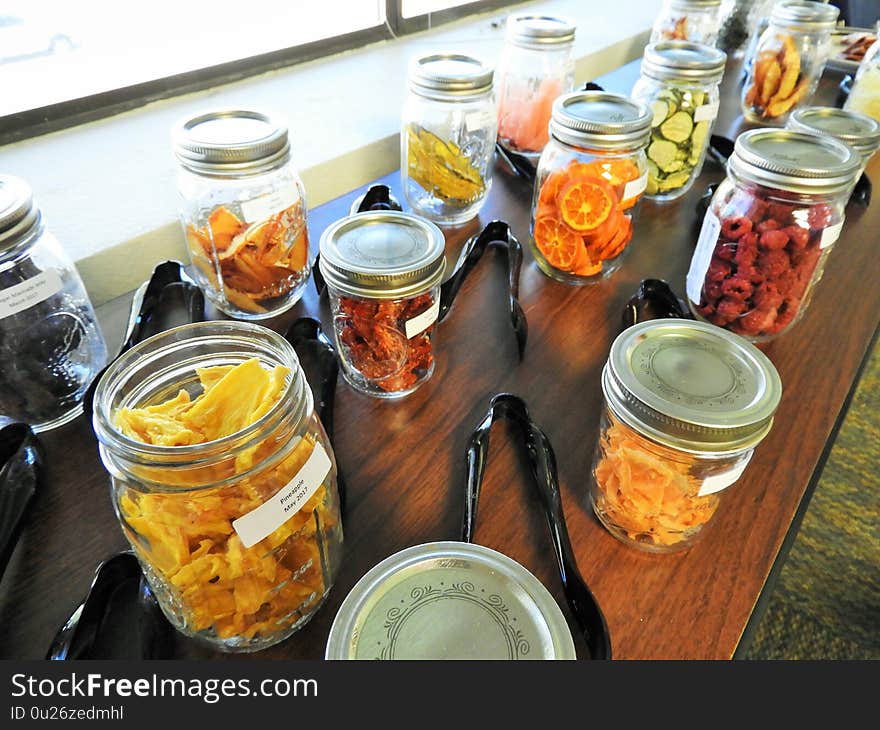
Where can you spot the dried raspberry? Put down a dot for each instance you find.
(767, 296)
(725, 250)
(728, 310)
(746, 250)
(712, 291)
(780, 212)
(757, 210)
(733, 228)
(718, 270)
(806, 260)
(757, 321)
(773, 240)
(797, 236)
(787, 312)
(820, 216)
(737, 288)
(706, 310)
(768, 225)
(773, 263)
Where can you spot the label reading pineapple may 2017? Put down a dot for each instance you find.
(22, 296)
(261, 522)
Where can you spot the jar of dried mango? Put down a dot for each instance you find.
(590, 178)
(686, 404)
(447, 139)
(223, 481)
(243, 210)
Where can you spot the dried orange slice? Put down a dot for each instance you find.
(557, 242)
(586, 203)
(550, 188)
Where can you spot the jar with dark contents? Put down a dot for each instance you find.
(383, 271)
(769, 228)
(51, 347)
(686, 404)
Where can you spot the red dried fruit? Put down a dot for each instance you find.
(767, 296)
(820, 215)
(728, 310)
(768, 225)
(773, 263)
(718, 270)
(757, 321)
(737, 288)
(746, 250)
(725, 251)
(733, 228)
(706, 310)
(712, 291)
(780, 212)
(797, 236)
(773, 240)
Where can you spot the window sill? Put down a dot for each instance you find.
(108, 190)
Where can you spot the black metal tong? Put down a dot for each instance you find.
(591, 622)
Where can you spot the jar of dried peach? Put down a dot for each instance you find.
(686, 404)
(223, 481)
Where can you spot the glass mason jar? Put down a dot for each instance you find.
(768, 230)
(668, 445)
(679, 82)
(447, 140)
(864, 96)
(51, 347)
(239, 537)
(535, 68)
(383, 271)
(697, 21)
(589, 180)
(243, 211)
(788, 60)
(740, 20)
(859, 131)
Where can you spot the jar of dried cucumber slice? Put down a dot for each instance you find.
(679, 82)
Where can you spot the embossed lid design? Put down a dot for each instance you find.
(691, 385)
(449, 600)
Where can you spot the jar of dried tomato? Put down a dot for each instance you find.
(239, 534)
(769, 229)
(243, 211)
(535, 68)
(590, 177)
(697, 21)
(383, 271)
(685, 406)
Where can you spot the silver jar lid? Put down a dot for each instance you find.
(231, 142)
(696, 4)
(691, 386)
(804, 15)
(800, 162)
(449, 600)
(600, 120)
(666, 60)
(859, 131)
(532, 30)
(18, 212)
(450, 76)
(382, 255)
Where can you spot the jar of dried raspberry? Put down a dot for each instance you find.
(383, 271)
(769, 229)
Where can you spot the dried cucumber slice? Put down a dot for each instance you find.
(674, 181)
(698, 139)
(678, 127)
(660, 110)
(662, 153)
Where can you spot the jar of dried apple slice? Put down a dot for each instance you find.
(243, 211)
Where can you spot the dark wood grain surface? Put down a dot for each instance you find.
(404, 461)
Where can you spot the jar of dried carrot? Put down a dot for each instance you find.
(243, 210)
(686, 404)
(590, 177)
(535, 68)
(383, 271)
(223, 480)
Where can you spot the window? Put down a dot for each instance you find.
(63, 62)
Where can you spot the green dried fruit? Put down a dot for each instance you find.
(662, 152)
(678, 127)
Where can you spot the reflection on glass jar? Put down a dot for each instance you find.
(769, 229)
(243, 211)
(447, 140)
(223, 481)
(383, 272)
(535, 68)
(697, 21)
(51, 347)
(590, 178)
(668, 446)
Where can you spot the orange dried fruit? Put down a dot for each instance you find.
(224, 226)
(586, 202)
(557, 242)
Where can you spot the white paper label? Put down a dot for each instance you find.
(27, 294)
(830, 235)
(257, 209)
(702, 256)
(706, 113)
(261, 522)
(717, 482)
(477, 120)
(421, 322)
(635, 187)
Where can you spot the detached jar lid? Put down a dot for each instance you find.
(800, 162)
(804, 15)
(691, 386)
(600, 120)
(18, 212)
(382, 255)
(683, 60)
(450, 75)
(231, 142)
(538, 31)
(449, 600)
(859, 131)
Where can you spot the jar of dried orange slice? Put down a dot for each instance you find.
(223, 480)
(686, 404)
(590, 177)
(243, 211)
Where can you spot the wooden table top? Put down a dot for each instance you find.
(404, 461)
